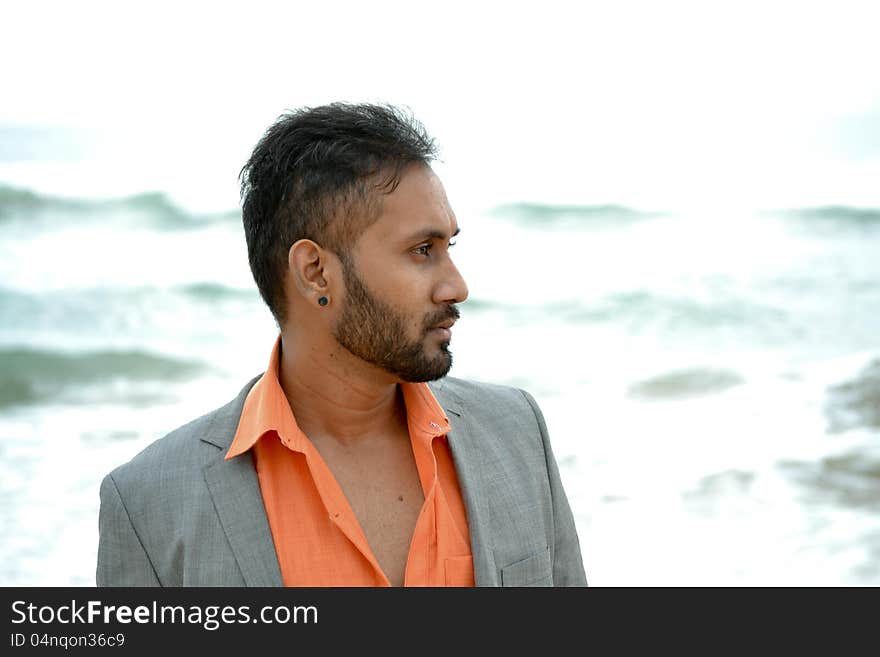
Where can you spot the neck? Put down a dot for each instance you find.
(334, 394)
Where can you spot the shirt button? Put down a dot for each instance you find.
(434, 426)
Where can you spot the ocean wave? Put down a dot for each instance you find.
(217, 292)
(849, 479)
(642, 310)
(33, 375)
(648, 307)
(842, 215)
(686, 383)
(96, 317)
(153, 209)
(16, 304)
(714, 488)
(569, 215)
(855, 403)
(484, 305)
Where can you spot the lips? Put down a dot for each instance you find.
(443, 330)
(445, 325)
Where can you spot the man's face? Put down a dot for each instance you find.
(400, 283)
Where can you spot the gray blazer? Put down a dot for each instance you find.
(178, 514)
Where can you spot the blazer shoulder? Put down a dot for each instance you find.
(476, 395)
(501, 414)
(190, 446)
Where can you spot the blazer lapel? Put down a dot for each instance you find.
(235, 490)
(462, 439)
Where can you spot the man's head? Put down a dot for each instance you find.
(340, 201)
(320, 174)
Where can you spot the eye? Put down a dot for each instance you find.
(425, 249)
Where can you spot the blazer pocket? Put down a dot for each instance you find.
(459, 571)
(535, 570)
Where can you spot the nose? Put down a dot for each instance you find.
(452, 289)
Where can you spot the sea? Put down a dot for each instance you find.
(710, 379)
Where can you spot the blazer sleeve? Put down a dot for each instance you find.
(568, 565)
(122, 559)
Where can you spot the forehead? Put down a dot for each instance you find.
(418, 204)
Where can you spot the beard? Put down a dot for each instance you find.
(376, 333)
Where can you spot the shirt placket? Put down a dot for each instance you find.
(422, 557)
(339, 510)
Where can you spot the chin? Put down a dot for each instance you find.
(444, 370)
(436, 370)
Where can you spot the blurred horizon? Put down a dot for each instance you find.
(14, 196)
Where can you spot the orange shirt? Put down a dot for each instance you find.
(317, 537)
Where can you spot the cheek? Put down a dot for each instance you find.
(405, 290)
(414, 318)
(407, 293)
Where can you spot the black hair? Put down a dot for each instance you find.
(319, 173)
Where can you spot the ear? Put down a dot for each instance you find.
(311, 269)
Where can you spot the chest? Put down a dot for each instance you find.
(382, 485)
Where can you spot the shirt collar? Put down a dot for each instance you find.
(266, 409)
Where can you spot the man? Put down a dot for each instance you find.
(341, 465)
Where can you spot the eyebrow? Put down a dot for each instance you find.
(431, 233)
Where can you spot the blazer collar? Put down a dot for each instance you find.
(447, 398)
(467, 444)
(235, 490)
